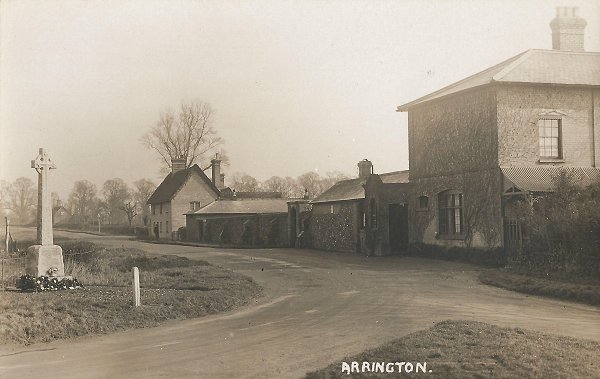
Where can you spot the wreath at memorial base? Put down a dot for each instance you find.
(46, 283)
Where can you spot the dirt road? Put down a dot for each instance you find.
(319, 306)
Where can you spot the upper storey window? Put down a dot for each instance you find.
(550, 138)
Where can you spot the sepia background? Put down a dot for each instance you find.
(296, 86)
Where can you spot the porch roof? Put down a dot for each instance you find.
(543, 178)
(352, 189)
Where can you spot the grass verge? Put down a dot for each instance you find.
(580, 292)
(468, 349)
(172, 288)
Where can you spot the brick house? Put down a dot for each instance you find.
(365, 215)
(182, 190)
(508, 129)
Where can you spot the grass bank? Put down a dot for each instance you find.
(171, 288)
(580, 291)
(468, 349)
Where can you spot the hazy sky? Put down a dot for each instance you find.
(296, 85)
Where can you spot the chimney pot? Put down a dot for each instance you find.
(178, 164)
(568, 29)
(365, 168)
(218, 179)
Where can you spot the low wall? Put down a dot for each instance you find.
(334, 227)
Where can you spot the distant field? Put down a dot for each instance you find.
(20, 233)
(468, 349)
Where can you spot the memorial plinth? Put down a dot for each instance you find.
(45, 261)
(45, 258)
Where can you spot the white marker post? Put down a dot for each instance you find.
(136, 287)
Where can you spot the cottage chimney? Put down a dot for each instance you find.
(218, 179)
(365, 168)
(178, 164)
(567, 29)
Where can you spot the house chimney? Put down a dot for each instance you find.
(178, 164)
(218, 179)
(567, 29)
(365, 168)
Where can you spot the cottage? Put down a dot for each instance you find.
(60, 214)
(184, 189)
(507, 129)
(366, 215)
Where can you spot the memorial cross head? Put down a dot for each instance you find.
(42, 162)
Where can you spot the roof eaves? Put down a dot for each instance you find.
(424, 100)
(431, 96)
(511, 66)
(335, 200)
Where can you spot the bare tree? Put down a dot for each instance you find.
(4, 194)
(244, 183)
(83, 200)
(143, 190)
(287, 186)
(131, 210)
(311, 181)
(188, 135)
(275, 184)
(116, 194)
(22, 199)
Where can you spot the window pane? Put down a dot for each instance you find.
(457, 221)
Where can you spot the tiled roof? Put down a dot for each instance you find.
(352, 189)
(174, 181)
(395, 177)
(57, 208)
(531, 66)
(542, 179)
(244, 206)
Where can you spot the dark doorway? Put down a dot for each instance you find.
(398, 223)
(293, 227)
(513, 237)
(200, 230)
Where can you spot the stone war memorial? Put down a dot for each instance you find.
(44, 265)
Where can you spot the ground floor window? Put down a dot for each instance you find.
(373, 208)
(423, 203)
(451, 213)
